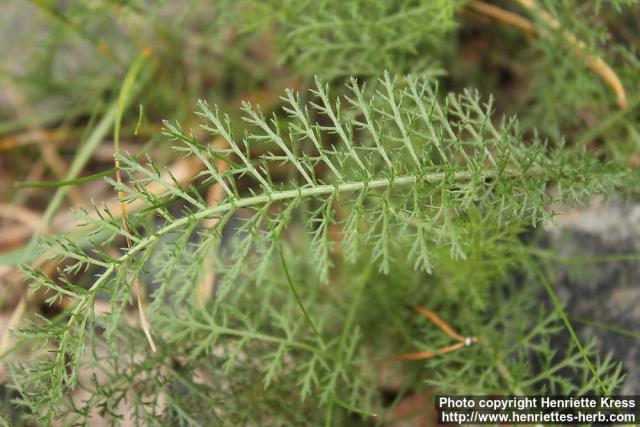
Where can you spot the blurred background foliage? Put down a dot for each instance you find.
(62, 69)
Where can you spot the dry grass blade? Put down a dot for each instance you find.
(421, 355)
(440, 323)
(597, 64)
(502, 15)
(444, 326)
(594, 62)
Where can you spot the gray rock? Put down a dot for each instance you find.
(600, 289)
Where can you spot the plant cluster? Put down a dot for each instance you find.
(275, 284)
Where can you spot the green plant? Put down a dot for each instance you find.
(340, 205)
(395, 195)
(358, 37)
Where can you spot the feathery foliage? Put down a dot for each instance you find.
(357, 37)
(346, 200)
(404, 172)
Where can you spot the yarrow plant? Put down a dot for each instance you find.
(276, 284)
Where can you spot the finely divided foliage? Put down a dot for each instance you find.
(396, 164)
(356, 37)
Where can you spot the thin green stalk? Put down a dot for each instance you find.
(268, 338)
(55, 184)
(353, 308)
(221, 330)
(79, 161)
(126, 94)
(579, 260)
(604, 125)
(610, 328)
(294, 290)
(355, 304)
(329, 413)
(124, 98)
(352, 408)
(567, 322)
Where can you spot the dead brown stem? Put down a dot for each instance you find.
(594, 62)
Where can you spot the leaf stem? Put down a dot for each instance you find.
(221, 330)
(294, 290)
(317, 190)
